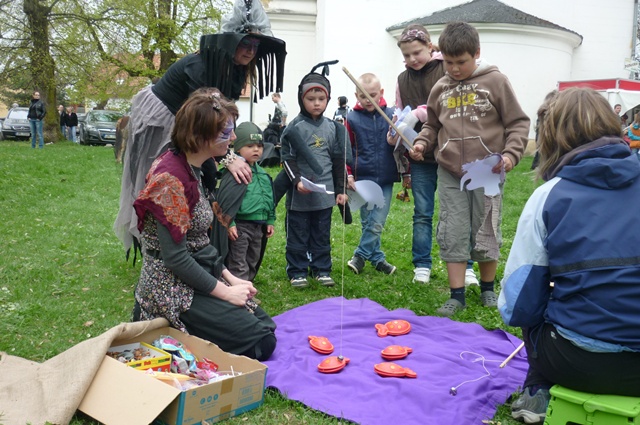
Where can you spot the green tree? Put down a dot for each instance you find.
(96, 49)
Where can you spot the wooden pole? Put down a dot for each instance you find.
(512, 355)
(375, 105)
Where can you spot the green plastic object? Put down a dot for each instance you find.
(578, 408)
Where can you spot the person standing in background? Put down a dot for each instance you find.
(63, 120)
(37, 111)
(72, 124)
(341, 113)
(280, 113)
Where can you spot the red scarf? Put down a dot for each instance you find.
(170, 194)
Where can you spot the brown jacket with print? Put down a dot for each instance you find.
(468, 120)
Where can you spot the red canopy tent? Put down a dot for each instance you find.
(615, 90)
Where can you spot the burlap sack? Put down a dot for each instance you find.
(35, 393)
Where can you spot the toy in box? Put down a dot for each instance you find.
(142, 356)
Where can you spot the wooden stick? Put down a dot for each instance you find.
(378, 108)
(512, 355)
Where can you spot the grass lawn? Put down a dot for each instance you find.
(64, 278)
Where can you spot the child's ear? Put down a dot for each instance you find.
(381, 92)
(477, 54)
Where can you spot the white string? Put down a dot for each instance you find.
(453, 390)
(344, 227)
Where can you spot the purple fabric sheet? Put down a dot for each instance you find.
(358, 394)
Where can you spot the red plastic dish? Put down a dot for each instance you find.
(392, 370)
(395, 352)
(333, 364)
(321, 344)
(394, 328)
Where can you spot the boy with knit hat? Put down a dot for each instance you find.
(313, 147)
(246, 212)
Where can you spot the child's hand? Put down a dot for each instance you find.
(392, 140)
(270, 230)
(233, 233)
(342, 199)
(417, 153)
(506, 162)
(351, 183)
(300, 187)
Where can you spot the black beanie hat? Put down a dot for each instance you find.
(313, 80)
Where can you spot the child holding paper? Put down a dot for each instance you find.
(471, 112)
(372, 160)
(312, 148)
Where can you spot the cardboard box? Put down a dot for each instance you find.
(159, 360)
(120, 395)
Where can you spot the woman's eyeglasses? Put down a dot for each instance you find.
(250, 43)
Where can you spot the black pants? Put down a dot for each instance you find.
(308, 243)
(556, 360)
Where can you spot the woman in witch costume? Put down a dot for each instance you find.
(245, 49)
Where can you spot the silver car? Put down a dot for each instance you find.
(16, 124)
(99, 127)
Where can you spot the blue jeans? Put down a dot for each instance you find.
(372, 225)
(72, 134)
(36, 131)
(424, 181)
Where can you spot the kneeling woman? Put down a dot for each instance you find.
(183, 278)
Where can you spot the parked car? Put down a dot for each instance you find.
(99, 127)
(81, 118)
(16, 124)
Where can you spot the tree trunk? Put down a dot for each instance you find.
(42, 64)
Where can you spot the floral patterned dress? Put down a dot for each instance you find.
(160, 292)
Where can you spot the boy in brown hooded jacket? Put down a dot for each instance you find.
(472, 112)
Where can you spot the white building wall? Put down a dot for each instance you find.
(354, 31)
(606, 26)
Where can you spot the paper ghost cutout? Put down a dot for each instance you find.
(478, 173)
(367, 192)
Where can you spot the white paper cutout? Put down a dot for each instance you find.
(478, 173)
(367, 192)
(308, 184)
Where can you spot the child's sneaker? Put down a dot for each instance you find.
(421, 275)
(532, 409)
(299, 282)
(385, 267)
(326, 280)
(470, 278)
(356, 264)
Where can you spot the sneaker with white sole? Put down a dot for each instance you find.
(356, 264)
(299, 282)
(470, 278)
(421, 275)
(532, 409)
(385, 267)
(326, 280)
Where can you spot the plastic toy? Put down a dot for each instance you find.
(394, 328)
(395, 352)
(392, 370)
(320, 344)
(333, 364)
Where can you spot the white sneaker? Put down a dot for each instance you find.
(421, 275)
(470, 278)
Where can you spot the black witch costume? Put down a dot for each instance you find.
(154, 107)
